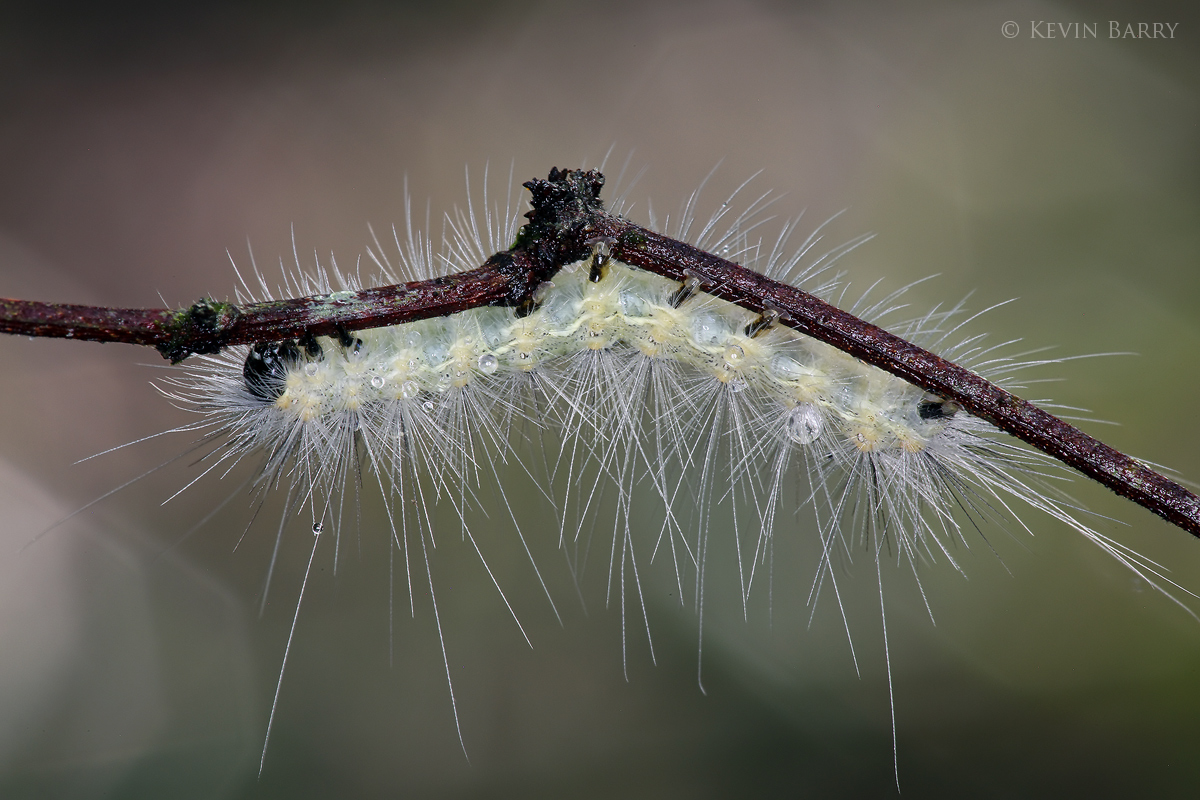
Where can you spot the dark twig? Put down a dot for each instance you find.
(567, 219)
(209, 326)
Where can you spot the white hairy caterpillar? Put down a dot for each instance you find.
(646, 381)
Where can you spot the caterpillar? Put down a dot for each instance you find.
(622, 381)
(639, 380)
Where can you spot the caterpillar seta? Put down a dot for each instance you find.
(651, 398)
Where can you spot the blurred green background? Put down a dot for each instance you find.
(137, 145)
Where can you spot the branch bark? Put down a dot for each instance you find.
(567, 219)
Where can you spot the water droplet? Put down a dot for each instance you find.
(310, 369)
(428, 406)
(488, 364)
(737, 385)
(413, 339)
(377, 382)
(734, 355)
(804, 424)
(317, 528)
(409, 389)
(523, 356)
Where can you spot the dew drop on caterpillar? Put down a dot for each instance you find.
(648, 398)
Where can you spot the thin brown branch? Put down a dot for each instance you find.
(566, 220)
(89, 323)
(209, 325)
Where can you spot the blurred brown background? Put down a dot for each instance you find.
(138, 145)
